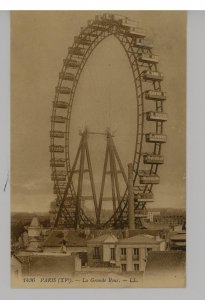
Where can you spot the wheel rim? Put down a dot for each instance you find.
(93, 35)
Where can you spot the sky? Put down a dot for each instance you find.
(39, 43)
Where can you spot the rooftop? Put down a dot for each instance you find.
(35, 222)
(178, 237)
(139, 239)
(155, 226)
(31, 248)
(105, 238)
(71, 237)
(17, 258)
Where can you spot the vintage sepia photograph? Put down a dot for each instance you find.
(98, 149)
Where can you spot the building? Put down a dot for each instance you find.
(67, 242)
(35, 233)
(178, 241)
(127, 254)
(169, 219)
(151, 214)
(132, 252)
(102, 251)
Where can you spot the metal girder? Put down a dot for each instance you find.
(95, 36)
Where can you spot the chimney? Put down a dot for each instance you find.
(157, 238)
(125, 233)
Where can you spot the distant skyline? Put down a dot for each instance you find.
(38, 46)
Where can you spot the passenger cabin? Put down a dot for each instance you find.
(57, 134)
(61, 187)
(155, 95)
(76, 51)
(135, 31)
(57, 162)
(141, 196)
(155, 138)
(143, 200)
(148, 58)
(58, 178)
(82, 40)
(107, 17)
(66, 76)
(58, 119)
(60, 173)
(117, 18)
(72, 63)
(128, 23)
(152, 75)
(92, 33)
(63, 90)
(60, 104)
(98, 18)
(56, 148)
(156, 116)
(58, 190)
(97, 25)
(153, 159)
(149, 179)
(144, 43)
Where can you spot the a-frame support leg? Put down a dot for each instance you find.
(91, 179)
(68, 185)
(103, 184)
(80, 182)
(111, 154)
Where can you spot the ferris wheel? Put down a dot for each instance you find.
(147, 156)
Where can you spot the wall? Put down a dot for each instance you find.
(16, 268)
(77, 263)
(92, 261)
(57, 249)
(107, 251)
(129, 261)
(34, 231)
